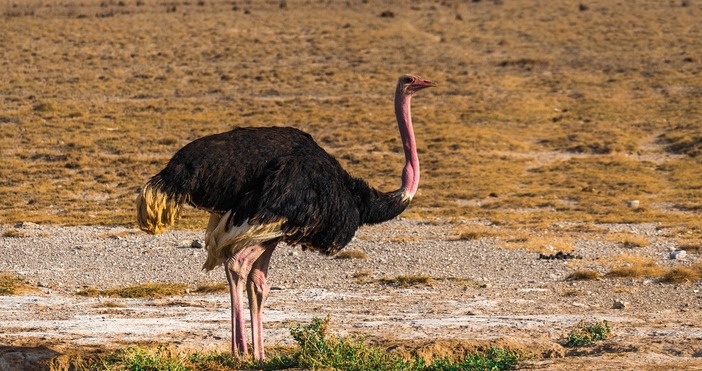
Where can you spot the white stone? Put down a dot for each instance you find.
(678, 254)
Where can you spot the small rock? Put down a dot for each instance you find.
(619, 304)
(196, 244)
(633, 203)
(678, 254)
(387, 14)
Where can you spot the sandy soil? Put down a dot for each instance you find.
(481, 294)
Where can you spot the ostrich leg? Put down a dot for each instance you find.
(257, 288)
(237, 268)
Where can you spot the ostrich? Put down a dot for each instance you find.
(267, 185)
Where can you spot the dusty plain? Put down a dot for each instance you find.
(550, 119)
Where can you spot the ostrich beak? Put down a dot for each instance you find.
(420, 84)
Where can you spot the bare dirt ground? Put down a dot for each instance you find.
(480, 294)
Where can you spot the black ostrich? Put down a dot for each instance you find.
(266, 185)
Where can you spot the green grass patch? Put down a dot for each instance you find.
(316, 350)
(588, 333)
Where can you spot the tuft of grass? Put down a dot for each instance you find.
(628, 240)
(147, 290)
(117, 235)
(683, 274)
(690, 246)
(583, 275)
(461, 281)
(210, 288)
(474, 233)
(570, 293)
(362, 276)
(588, 333)
(526, 240)
(635, 267)
(11, 284)
(407, 281)
(351, 254)
(14, 233)
(109, 304)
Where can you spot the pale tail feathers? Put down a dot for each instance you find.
(223, 241)
(156, 210)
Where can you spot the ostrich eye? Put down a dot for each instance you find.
(408, 80)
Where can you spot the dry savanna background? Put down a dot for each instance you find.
(551, 119)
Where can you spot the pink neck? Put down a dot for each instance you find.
(410, 173)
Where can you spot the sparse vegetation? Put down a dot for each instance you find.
(633, 266)
(636, 266)
(147, 290)
(539, 138)
(628, 240)
(407, 281)
(109, 304)
(117, 235)
(316, 349)
(683, 274)
(588, 333)
(11, 284)
(14, 233)
(212, 288)
(351, 254)
(362, 276)
(475, 233)
(583, 275)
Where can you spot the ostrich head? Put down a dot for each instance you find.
(410, 84)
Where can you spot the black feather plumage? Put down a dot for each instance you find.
(265, 174)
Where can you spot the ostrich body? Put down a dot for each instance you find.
(266, 185)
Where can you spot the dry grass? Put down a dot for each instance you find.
(14, 233)
(362, 276)
(147, 290)
(11, 284)
(109, 304)
(690, 246)
(634, 266)
(530, 241)
(546, 115)
(351, 254)
(683, 274)
(474, 232)
(583, 275)
(116, 235)
(627, 240)
(407, 281)
(209, 288)
(569, 293)
(461, 281)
